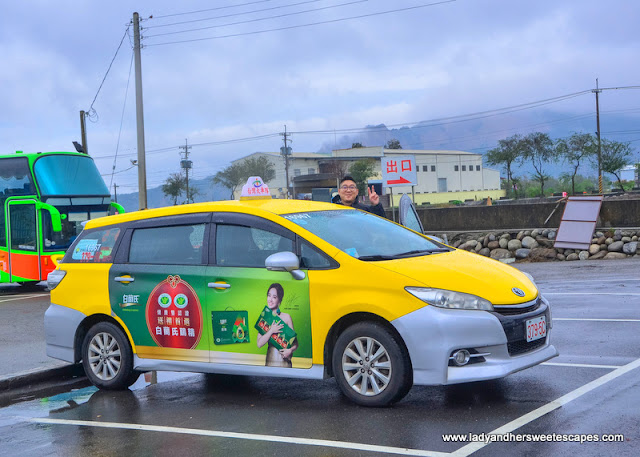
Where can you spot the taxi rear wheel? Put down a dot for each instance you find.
(371, 365)
(107, 357)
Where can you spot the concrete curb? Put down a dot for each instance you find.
(38, 376)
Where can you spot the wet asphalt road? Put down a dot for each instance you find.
(592, 388)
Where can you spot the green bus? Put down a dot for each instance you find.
(45, 197)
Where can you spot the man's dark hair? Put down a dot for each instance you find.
(347, 178)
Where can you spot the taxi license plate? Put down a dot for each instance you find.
(536, 328)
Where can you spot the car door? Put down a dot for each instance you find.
(157, 287)
(24, 249)
(408, 216)
(237, 298)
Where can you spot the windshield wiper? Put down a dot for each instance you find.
(376, 257)
(421, 252)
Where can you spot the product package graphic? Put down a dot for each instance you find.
(282, 340)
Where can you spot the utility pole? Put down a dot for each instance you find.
(115, 192)
(83, 131)
(142, 167)
(286, 152)
(186, 164)
(597, 91)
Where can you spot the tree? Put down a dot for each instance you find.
(259, 166)
(573, 151)
(335, 167)
(174, 186)
(508, 152)
(615, 156)
(237, 174)
(538, 148)
(361, 170)
(393, 144)
(231, 177)
(357, 145)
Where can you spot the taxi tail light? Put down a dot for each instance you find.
(54, 278)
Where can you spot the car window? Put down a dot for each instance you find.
(311, 257)
(375, 238)
(241, 246)
(171, 245)
(95, 246)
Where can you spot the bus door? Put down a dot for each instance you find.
(22, 242)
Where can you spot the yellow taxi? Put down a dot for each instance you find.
(289, 288)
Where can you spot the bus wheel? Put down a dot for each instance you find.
(107, 357)
(371, 366)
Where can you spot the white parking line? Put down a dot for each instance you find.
(537, 413)
(590, 293)
(246, 436)
(580, 365)
(593, 320)
(590, 281)
(23, 297)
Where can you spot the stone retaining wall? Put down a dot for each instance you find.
(537, 245)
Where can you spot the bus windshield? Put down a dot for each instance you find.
(68, 175)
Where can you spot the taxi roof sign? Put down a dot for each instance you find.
(254, 189)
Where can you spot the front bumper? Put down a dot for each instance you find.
(431, 334)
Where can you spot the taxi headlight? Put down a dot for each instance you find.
(450, 299)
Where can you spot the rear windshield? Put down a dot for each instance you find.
(95, 246)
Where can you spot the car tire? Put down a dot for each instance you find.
(107, 357)
(371, 365)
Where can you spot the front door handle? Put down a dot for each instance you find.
(126, 279)
(219, 285)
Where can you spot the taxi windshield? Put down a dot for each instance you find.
(365, 236)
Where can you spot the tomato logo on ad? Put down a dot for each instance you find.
(174, 315)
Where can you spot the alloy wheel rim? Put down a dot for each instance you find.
(104, 356)
(366, 366)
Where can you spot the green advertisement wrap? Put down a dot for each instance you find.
(249, 292)
(175, 312)
(162, 307)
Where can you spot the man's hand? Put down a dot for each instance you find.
(373, 197)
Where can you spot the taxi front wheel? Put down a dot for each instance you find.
(371, 365)
(107, 357)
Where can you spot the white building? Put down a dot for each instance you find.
(441, 175)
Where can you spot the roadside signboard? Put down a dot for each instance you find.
(399, 171)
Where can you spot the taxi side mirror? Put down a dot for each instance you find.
(285, 261)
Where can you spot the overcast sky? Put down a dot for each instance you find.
(324, 65)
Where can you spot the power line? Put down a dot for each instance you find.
(306, 25)
(457, 118)
(211, 9)
(258, 19)
(124, 104)
(110, 64)
(232, 15)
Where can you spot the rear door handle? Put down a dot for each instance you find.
(124, 279)
(219, 285)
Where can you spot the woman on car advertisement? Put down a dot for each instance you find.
(277, 357)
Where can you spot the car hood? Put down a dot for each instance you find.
(462, 271)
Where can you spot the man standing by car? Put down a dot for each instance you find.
(348, 196)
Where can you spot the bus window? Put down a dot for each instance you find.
(15, 178)
(23, 227)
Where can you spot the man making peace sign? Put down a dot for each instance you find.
(348, 192)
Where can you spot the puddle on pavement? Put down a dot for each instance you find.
(28, 406)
